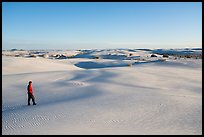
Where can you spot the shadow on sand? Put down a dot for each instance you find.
(96, 65)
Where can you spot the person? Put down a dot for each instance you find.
(30, 93)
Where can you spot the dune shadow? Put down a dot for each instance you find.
(73, 96)
(87, 77)
(54, 100)
(96, 65)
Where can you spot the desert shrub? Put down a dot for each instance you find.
(71, 56)
(17, 55)
(188, 56)
(33, 56)
(130, 64)
(165, 56)
(153, 55)
(62, 57)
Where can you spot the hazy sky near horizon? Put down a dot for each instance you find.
(85, 25)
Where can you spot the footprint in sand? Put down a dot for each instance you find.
(114, 122)
(76, 83)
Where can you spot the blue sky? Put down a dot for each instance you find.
(85, 25)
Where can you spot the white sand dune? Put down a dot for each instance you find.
(147, 98)
(30, 65)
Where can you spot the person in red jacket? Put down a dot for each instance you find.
(30, 93)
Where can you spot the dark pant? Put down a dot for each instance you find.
(30, 96)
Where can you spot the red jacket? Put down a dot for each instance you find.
(30, 89)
